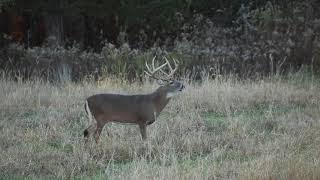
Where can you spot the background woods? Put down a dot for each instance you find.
(115, 37)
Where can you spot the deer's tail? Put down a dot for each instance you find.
(88, 112)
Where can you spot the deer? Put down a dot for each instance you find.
(139, 109)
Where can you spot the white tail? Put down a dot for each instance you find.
(140, 109)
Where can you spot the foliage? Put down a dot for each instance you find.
(263, 40)
(4, 3)
(157, 18)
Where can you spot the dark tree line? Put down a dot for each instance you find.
(90, 22)
(115, 37)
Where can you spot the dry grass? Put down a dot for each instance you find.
(224, 129)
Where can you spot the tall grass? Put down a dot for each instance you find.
(223, 128)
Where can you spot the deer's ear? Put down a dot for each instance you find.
(160, 82)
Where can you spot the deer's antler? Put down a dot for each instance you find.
(167, 76)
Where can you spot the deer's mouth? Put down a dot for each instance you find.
(181, 87)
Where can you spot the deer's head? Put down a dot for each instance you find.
(168, 85)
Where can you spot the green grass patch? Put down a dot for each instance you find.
(233, 155)
(258, 117)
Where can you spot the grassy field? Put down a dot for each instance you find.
(217, 129)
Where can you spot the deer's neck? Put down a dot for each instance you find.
(160, 99)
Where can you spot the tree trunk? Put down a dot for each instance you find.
(54, 27)
(54, 24)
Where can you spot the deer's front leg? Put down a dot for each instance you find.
(151, 118)
(146, 119)
(143, 131)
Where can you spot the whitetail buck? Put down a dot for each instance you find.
(140, 109)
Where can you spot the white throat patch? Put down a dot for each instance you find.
(155, 115)
(171, 94)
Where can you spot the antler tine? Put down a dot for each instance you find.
(149, 70)
(164, 72)
(176, 62)
(147, 73)
(172, 71)
(167, 62)
(152, 72)
(153, 62)
(169, 65)
(160, 67)
(175, 65)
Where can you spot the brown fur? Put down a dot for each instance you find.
(134, 109)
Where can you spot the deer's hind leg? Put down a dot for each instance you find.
(92, 123)
(95, 130)
(89, 131)
(143, 131)
(98, 130)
